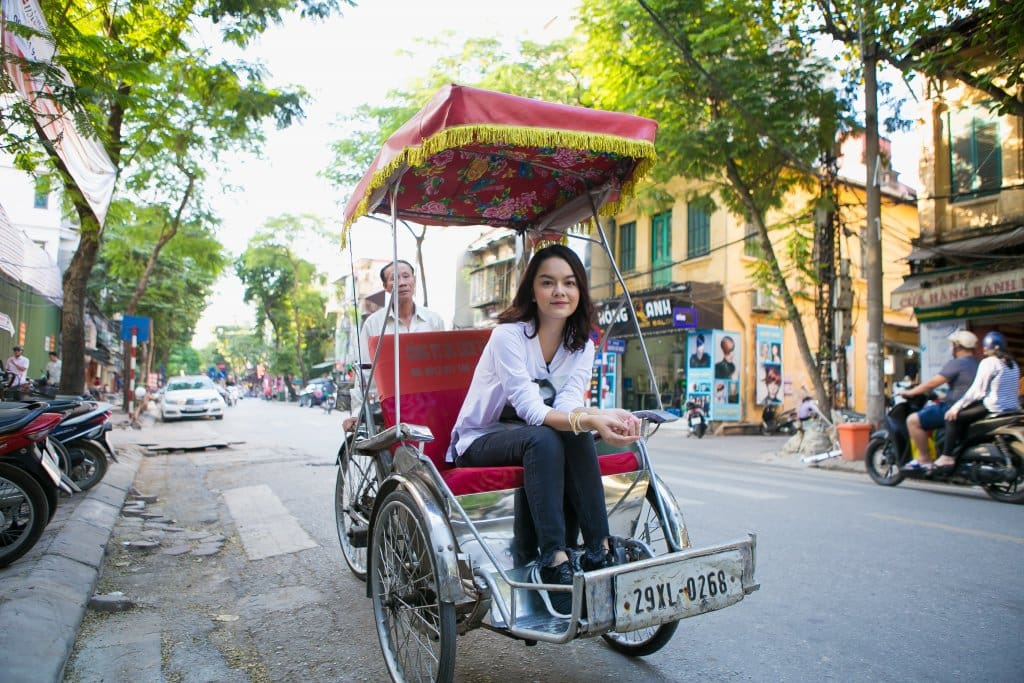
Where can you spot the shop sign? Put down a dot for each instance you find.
(653, 314)
(946, 293)
(615, 345)
(685, 318)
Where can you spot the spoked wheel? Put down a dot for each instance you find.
(1011, 491)
(883, 462)
(354, 495)
(416, 630)
(24, 513)
(88, 464)
(651, 532)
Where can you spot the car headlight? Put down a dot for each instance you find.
(172, 401)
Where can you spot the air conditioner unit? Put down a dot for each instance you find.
(762, 301)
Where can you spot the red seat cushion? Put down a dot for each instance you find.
(436, 370)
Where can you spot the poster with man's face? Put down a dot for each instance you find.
(727, 386)
(768, 380)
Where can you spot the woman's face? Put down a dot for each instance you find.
(773, 389)
(555, 290)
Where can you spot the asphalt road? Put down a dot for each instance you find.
(858, 582)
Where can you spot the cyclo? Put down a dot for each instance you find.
(438, 544)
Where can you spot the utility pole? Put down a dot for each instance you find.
(873, 234)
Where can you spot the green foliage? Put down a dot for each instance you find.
(181, 282)
(183, 359)
(287, 291)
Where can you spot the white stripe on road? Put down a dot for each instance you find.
(264, 524)
(772, 482)
(678, 482)
(946, 527)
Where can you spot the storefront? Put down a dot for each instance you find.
(666, 316)
(979, 301)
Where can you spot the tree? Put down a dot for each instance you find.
(741, 103)
(281, 284)
(148, 94)
(178, 284)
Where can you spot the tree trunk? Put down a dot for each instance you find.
(72, 315)
(779, 280)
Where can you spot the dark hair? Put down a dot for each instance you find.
(524, 309)
(391, 263)
(771, 374)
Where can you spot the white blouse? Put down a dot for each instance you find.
(505, 374)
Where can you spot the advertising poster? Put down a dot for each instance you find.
(699, 373)
(602, 381)
(727, 354)
(768, 382)
(935, 348)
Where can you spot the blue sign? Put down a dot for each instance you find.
(685, 318)
(615, 345)
(139, 324)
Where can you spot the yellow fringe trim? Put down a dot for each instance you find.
(462, 136)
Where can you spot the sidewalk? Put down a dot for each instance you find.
(44, 595)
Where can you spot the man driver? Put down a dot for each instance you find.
(411, 318)
(958, 373)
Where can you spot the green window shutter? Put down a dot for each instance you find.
(698, 229)
(627, 246)
(661, 249)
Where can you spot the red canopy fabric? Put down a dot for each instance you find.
(475, 157)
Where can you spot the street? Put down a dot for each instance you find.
(858, 582)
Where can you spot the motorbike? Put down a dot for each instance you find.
(696, 419)
(82, 434)
(774, 422)
(30, 479)
(992, 455)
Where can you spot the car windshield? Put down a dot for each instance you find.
(191, 383)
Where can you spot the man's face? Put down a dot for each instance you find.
(17, 353)
(406, 282)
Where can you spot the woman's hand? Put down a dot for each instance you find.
(952, 413)
(617, 427)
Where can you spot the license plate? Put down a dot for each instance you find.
(49, 463)
(676, 591)
(193, 410)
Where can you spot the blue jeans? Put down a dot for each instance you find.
(558, 468)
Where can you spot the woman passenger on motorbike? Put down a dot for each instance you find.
(994, 391)
(543, 341)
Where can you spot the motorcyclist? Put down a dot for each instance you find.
(958, 373)
(993, 391)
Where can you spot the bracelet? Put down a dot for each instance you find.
(575, 417)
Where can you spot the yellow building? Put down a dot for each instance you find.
(968, 263)
(689, 268)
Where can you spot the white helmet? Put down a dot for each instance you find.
(964, 339)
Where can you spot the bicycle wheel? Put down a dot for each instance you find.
(415, 628)
(354, 494)
(651, 532)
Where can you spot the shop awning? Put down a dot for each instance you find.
(985, 245)
(932, 290)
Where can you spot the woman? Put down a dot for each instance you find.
(994, 390)
(542, 343)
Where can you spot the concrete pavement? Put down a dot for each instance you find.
(45, 594)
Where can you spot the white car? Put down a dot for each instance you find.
(191, 396)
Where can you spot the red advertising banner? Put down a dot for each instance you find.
(83, 155)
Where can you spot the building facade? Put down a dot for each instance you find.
(689, 265)
(967, 266)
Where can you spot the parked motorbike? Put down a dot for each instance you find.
(992, 455)
(82, 433)
(30, 478)
(696, 419)
(775, 422)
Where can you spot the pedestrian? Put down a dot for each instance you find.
(17, 364)
(53, 369)
(538, 362)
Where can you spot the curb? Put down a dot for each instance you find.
(45, 594)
